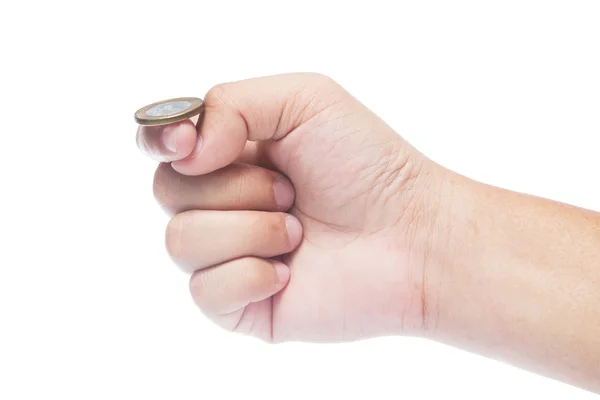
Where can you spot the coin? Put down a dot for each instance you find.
(169, 111)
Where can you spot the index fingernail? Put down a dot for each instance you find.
(169, 137)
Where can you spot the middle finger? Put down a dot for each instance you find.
(235, 187)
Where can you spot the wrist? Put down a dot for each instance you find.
(429, 235)
(452, 245)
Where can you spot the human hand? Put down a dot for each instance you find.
(302, 215)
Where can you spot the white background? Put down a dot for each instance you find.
(506, 92)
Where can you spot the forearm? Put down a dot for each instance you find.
(518, 279)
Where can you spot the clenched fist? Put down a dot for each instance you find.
(302, 215)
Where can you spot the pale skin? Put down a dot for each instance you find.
(302, 216)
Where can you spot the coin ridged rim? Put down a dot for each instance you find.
(196, 108)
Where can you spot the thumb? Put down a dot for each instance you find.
(266, 108)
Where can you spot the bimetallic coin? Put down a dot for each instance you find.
(169, 111)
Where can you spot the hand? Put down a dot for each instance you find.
(302, 215)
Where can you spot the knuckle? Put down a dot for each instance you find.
(259, 183)
(275, 225)
(255, 276)
(235, 185)
(321, 79)
(259, 176)
(318, 93)
(201, 288)
(163, 186)
(250, 184)
(217, 94)
(175, 236)
(271, 227)
(325, 86)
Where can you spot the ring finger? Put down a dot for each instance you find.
(200, 239)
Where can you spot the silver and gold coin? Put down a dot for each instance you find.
(169, 111)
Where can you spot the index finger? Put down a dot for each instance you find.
(257, 109)
(168, 142)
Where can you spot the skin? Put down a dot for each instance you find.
(302, 216)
